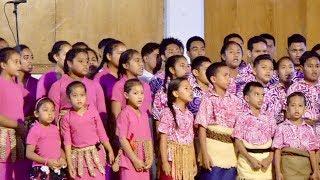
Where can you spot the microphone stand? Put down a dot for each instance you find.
(15, 12)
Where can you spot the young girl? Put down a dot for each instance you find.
(176, 133)
(232, 53)
(44, 144)
(25, 79)
(295, 143)
(176, 66)
(93, 62)
(12, 129)
(134, 133)
(57, 57)
(76, 68)
(84, 137)
(275, 98)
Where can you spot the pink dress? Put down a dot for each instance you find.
(118, 90)
(136, 129)
(11, 98)
(84, 131)
(95, 94)
(46, 140)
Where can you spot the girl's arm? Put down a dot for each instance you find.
(277, 164)
(137, 163)
(8, 123)
(115, 109)
(71, 169)
(164, 154)
(206, 159)
(30, 154)
(107, 146)
(254, 163)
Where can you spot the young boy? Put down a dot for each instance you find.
(198, 81)
(310, 86)
(168, 47)
(216, 119)
(297, 45)
(253, 135)
(195, 47)
(262, 72)
(149, 54)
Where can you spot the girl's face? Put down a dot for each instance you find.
(135, 96)
(93, 61)
(46, 113)
(264, 71)
(181, 68)
(222, 78)
(233, 56)
(26, 60)
(286, 70)
(311, 69)
(115, 56)
(200, 73)
(135, 65)
(255, 97)
(296, 108)
(79, 65)
(78, 97)
(13, 65)
(184, 92)
(61, 56)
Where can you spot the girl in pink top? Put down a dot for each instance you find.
(44, 144)
(176, 133)
(84, 137)
(134, 133)
(56, 56)
(76, 68)
(12, 129)
(130, 66)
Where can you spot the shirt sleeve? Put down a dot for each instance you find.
(41, 89)
(116, 94)
(33, 136)
(123, 125)
(278, 142)
(239, 129)
(157, 106)
(205, 112)
(65, 129)
(54, 95)
(166, 121)
(314, 142)
(101, 104)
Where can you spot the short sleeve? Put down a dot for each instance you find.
(278, 141)
(117, 94)
(205, 112)
(239, 129)
(157, 106)
(123, 125)
(166, 121)
(33, 136)
(65, 129)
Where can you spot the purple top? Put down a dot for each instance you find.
(30, 99)
(45, 83)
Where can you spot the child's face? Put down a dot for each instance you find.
(26, 60)
(237, 40)
(311, 69)
(296, 108)
(93, 61)
(295, 51)
(46, 113)
(171, 49)
(255, 97)
(78, 97)
(135, 96)
(61, 56)
(115, 56)
(286, 70)
(258, 49)
(184, 92)
(233, 56)
(263, 71)
(13, 65)
(151, 59)
(200, 73)
(222, 78)
(181, 68)
(135, 65)
(197, 48)
(80, 64)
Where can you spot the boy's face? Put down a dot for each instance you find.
(295, 51)
(296, 107)
(263, 71)
(286, 70)
(171, 49)
(271, 48)
(200, 73)
(222, 78)
(150, 60)
(311, 69)
(258, 49)
(197, 48)
(255, 97)
(233, 56)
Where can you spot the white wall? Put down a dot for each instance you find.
(184, 19)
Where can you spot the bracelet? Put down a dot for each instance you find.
(46, 162)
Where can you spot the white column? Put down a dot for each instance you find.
(184, 19)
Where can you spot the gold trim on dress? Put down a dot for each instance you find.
(17, 148)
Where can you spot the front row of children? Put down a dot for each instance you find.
(236, 140)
